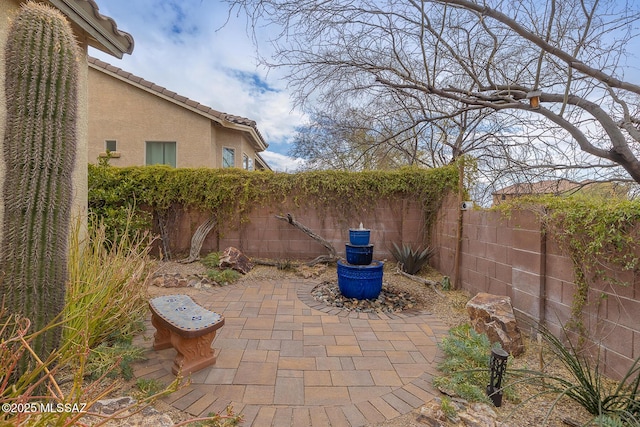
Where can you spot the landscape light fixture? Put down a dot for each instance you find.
(534, 98)
(497, 366)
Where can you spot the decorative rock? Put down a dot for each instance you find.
(178, 281)
(131, 415)
(110, 406)
(233, 258)
(479, 415)
(468, 414)
(390, 300)
(493, 315)
(169, 281)
(431, 414)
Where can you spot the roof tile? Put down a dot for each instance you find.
(179, 98)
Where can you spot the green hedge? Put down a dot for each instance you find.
(233, 192)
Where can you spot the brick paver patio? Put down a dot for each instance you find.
(285, 359)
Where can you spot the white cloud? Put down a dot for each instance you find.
(280, 162)
(186, 47)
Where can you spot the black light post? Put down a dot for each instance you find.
(497, 366)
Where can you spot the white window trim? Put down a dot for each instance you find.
(234, 157)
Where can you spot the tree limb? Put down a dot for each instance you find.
(332, 257)
(420, 280)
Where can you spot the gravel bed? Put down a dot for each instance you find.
(390, 300)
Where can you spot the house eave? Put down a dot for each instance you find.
(222, 119)
(102, 30)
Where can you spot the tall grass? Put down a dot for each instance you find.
(106, 294)
(610, 402)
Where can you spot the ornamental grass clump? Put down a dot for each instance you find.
(105, 303)
(106, 292)
(611, 403)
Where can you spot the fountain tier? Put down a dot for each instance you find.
(360, 281)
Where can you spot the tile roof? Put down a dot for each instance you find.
(550, 186)
(102, 30)
(218, 116)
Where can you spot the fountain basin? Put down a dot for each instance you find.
(359, 254)
(360, 281)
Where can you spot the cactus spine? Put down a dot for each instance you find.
(41, 60)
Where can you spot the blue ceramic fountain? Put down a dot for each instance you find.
(359, 276)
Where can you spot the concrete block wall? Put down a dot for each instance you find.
(512, 256)
(262, 235)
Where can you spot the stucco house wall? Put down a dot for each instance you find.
(131, 111)
(91, 29)
(130, 116)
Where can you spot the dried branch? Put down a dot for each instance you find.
(332, 257)
(198, 239)
(422, 280)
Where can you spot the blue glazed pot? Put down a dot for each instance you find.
(359, 236)
(359, 255)
(360, 281)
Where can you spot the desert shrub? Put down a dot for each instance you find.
(212, 260)
(411, 260)
(114, 359)
(223, 276)
(466, 365)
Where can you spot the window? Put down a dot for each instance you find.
(247, 162)
(110, 145)
(228, 157)
(161, 153)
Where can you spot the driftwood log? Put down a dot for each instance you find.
(331, 257)
(422, 280)
(198, 239)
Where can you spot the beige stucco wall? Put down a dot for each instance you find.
(119, 110)
(131, 116)
(8, 9)
(233, 139)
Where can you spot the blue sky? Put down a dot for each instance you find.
(186, 47)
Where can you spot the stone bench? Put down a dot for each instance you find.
(186, 326)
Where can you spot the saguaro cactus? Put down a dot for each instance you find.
(41, 60)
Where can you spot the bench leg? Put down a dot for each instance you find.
(193, 353)
(162, 337)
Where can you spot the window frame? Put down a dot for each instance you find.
(164, 153)
(115, 146)
(233, 153)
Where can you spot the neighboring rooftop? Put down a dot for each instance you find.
(550, 186)
(103, 32)
(224, 119)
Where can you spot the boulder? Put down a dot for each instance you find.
(169, 281)
(493, 315)
(236, 260)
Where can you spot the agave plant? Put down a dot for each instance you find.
(411, 261)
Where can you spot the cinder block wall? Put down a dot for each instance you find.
(261, 235)
(512, 256)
